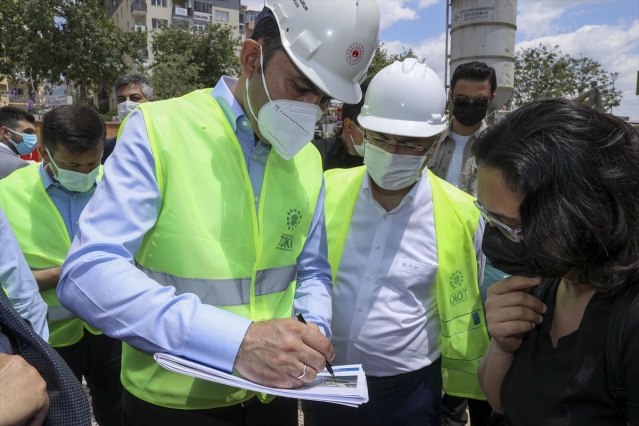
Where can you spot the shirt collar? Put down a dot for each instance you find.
(449, 129)
(230, 106)
(46, 180)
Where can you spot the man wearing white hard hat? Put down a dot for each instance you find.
(405, 252)
(207, 232)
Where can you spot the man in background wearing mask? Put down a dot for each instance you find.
(17, 137)
(346, 148)
(43, 203)
(207, 232)
(130, 90)
(472, 89)
(405, 252)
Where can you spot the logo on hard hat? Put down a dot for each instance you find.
(355, 53)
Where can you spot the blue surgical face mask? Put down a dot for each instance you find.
(28, 144)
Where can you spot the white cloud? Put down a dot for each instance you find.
(614, 47)
(536, 18)
(394, 11)
(253, 4)
(430, 50)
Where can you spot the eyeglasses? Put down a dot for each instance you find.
(481, 102)
(402, 147)
(512, 234)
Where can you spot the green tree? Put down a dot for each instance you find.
(57, 40)
(95, 48)
(30, 36)
(185, 60)
(544, 72)
(382, 58)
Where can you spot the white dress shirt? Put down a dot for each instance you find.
(385, 314)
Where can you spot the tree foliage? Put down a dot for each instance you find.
(185, 60)
(382, 58)
(544, 72)
(56, 40)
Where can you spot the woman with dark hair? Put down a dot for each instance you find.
(558, 182)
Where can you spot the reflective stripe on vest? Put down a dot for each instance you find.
(59, 313)
(44, 240)
(463, 329)
(230, 292)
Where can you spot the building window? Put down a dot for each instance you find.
(221, 16)
(155, 23)
(199, 6)
(158, 3)
(198, 27)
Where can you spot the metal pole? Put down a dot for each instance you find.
(613, 77)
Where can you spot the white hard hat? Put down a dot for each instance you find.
(331, 42)
(406, 99)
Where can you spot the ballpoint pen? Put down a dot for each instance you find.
(300, 318)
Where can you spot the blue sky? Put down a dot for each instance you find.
(604, 30)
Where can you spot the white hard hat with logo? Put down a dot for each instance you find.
(331, 42)
(405, 98)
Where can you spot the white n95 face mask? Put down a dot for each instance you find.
(287, 125)
(125, 109)
(392, 171)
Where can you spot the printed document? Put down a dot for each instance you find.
(348, 387)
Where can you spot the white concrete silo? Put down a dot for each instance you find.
(484, 30)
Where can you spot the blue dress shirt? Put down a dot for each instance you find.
(21, 287)
(100, 283)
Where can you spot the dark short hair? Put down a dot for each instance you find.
(267, 30)
(78, 128)
(352, 110)
(10, 116)
(136, 80)
(475, 71)
(577, 171)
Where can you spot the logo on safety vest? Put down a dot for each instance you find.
(293, 219)
(285, 243)
(459, 293)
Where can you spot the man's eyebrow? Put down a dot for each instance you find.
(305, 81)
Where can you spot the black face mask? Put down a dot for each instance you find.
(514, 258)
(469, 115)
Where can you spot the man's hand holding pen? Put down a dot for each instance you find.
(283, 353)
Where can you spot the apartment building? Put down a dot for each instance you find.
(148, 15)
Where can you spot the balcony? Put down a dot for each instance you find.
(182, 11)
(138, 8)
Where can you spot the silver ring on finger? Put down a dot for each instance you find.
(301, 376)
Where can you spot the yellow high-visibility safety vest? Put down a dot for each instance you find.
(45, 241)
(463, 328)
(209, 240)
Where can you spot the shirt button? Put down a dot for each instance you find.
(385, 217)
(377, 247)
(244, 123)
(359, 309)
(369, 277)
(257, 198)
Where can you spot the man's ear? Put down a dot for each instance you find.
(348, 124)
(43, 152)
(250, 57)
(4, 132)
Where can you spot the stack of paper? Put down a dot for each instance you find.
(348, 388)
